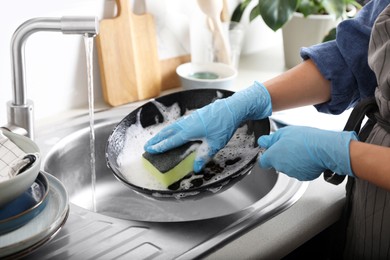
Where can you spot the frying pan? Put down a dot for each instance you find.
(215, 178)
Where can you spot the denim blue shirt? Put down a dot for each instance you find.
(344, 60)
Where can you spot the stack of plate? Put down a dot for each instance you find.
(24, 208)
(33, 207)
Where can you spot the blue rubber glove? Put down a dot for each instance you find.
(214, 124)
(304, 152)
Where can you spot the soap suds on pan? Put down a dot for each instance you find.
(130, 158)
(236, 154)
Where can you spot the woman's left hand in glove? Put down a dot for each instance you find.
(305, 152)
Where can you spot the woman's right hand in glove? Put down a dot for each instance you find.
(214, 124)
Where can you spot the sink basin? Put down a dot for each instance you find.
(212, 220)
(69, 160)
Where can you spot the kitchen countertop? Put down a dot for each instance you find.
(317, 209)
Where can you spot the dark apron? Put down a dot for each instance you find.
(365, 109)
(365, 223)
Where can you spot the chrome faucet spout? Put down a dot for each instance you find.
(20, 110)
(87, 26)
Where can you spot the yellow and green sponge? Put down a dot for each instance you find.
(171, 166)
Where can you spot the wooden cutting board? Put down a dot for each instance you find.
(128, 57)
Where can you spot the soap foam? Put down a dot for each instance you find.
(130, 158)
(240, 148)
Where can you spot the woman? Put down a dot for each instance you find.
(333, 76)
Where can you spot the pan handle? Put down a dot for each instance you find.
(333, 178)
(366, 107)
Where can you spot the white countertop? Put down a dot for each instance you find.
(318, 208)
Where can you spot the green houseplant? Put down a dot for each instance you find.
(276, 13)
(303, 22)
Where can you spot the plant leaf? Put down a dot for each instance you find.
(330, 36)
(254, 13)
(336, 7)
(239, 10)
(276, 13)
(308, 7)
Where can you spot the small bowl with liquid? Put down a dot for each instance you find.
(206, 75)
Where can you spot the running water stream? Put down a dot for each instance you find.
(88, 41)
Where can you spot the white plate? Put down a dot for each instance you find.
(35, 233)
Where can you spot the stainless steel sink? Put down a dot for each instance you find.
(129, 225)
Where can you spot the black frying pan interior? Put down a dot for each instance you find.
(149, 114)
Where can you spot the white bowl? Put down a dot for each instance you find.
(206, 75)
(14, 187)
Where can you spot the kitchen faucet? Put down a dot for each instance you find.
(20, 112)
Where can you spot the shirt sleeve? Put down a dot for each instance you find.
(344, 61)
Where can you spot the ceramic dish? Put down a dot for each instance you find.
(206, 75)
(39, 230)
(228, 166)
(24, 208)
(14, 187)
